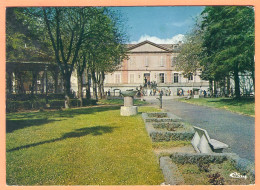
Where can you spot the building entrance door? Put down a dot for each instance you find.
(146, 77)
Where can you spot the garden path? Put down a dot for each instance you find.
(238, 131)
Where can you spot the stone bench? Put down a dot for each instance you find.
(202, 143)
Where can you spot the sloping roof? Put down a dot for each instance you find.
(166, 47)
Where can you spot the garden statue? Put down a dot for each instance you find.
(128, 108)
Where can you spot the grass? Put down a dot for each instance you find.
(194, 176)
(169, 144)
(121, 102)
(86, 146)
(244, 106)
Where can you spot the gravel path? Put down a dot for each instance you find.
(238, 131)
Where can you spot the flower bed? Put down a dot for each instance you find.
(166, 128)
(170, 126)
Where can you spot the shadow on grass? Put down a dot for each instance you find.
(12, 125)
(15, 121)
(94, 131)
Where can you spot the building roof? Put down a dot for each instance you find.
(167, 47)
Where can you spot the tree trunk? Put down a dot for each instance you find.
(88, 96)
(99, 85)
(210, 88)
(9, 82)
(99, 91)
(224, 87)
(79, 76)
(67, 90)
(102, 84)
(237, 85)
(215, 88)
(34, 82)
(228, 85)
(20, 83)
(253, 78)
(94, 85)
(55, 77)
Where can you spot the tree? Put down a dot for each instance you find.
(103, 48)
(66, 28)
(25, 42)
(228, 42)
(188, 60)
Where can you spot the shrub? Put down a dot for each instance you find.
(194, 158)
(87, 102)
(203, 166)
(170, 136)
(170, 126)
(216, 179)
(56, 103)
(157, 115)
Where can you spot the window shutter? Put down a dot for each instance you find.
(165, 77)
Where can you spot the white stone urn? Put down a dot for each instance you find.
(128, 109)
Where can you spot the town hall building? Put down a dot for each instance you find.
(153, 63)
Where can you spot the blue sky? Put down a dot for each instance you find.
(159, 24)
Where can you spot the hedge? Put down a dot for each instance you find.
(13, 106)
(25, 97)
(194, 158)
(170, 126)
(159, 135)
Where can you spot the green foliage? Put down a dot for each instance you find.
(24, 40)
(185, 158)
(39, 103)
(120, 102)
(203, 166)
(216, 179)
(158, 136)
(228, 42)
(188, 60)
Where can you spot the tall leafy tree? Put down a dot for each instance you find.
(188, 60)
(103, 48)
(66, 28)
(228, 42)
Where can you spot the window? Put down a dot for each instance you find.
(162, 61)
(190, 76)
(161, 77)
(132, 78)
(117, 78)
(176, 78)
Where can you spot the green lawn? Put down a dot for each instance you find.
(121, 102)
(87, 146)
(244, 106)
